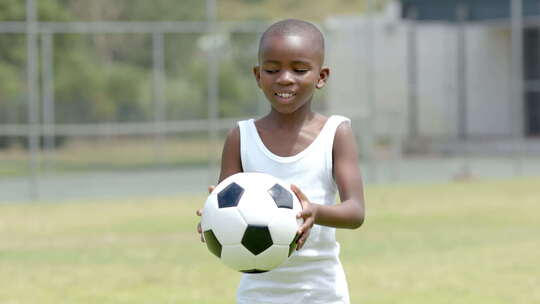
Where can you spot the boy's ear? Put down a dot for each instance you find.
(323, 77)
(257, 74)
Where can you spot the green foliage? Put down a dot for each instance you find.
(236, 91)
(140, 10)
(10, 83)
(12, 10)
(108, 77)
(54, 10)
(187, 93)
(87, 91)
(131, 103)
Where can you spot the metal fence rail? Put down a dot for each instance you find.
(133, 27)
(117, 129)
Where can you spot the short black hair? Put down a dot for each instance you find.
(294, 27)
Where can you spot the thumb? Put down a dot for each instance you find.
(299, 194)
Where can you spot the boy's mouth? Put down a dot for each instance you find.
(285, 95)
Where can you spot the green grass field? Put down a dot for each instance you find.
(474, 242)
(80, 155)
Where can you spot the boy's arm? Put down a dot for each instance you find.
(230, 164)
(230, 158)
(350, 213)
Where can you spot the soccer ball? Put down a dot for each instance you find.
(249, 222)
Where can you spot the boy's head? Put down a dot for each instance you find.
(291, 57)
(294, 27)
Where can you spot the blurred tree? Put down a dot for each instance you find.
(138, 10)
(108, 77)
(281, 9)
(12, 10)
(12, 63)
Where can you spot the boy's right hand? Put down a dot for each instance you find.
(199, 213)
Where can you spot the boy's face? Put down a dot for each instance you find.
(290, 70)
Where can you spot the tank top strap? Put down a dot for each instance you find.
(247, 138)
(332, 124)
(327, 135)
(329, 130)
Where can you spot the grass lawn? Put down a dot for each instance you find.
(475, 242)
(115, 153)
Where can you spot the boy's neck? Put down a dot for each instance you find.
(293, 120)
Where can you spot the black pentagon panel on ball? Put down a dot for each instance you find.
(257, 239)
(214, 246)
(281, 196)
(293, 244)
(230, 196)
(253, 271)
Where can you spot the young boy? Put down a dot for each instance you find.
(318, 154)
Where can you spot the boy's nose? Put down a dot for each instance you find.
(285, 77)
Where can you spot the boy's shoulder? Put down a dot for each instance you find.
(336, 120)
(233, 134)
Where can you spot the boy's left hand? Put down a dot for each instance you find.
(199, 213)
(308, 213)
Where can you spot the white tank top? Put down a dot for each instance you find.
(313, 274)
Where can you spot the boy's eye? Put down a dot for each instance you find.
(269, 71)
(301, 71)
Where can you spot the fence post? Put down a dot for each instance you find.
(48, 103)
(159, 102)
(213, 88)
(33, 97)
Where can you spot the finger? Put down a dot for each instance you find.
(199, 230)
(302, 241)
(299, 194)
(307, 225)
(211, 188)
(299, 242)
(299, 245)
(302, 198)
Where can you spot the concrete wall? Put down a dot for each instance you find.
(369, 63)
(488, 65)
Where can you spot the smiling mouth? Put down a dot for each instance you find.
(285, 95)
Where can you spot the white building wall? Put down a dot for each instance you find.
(354, 71)
(437, 95)
(488, 69)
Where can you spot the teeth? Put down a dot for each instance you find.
(285, 95)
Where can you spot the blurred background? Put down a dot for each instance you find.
(116, 98)
(113, 115)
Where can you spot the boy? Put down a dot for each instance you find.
(304, 148)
